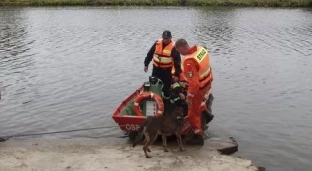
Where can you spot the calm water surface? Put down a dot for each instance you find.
(68, 68)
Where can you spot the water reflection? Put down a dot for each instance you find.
(15, 55)
(214, 28)
(59, 73)
(16, 63)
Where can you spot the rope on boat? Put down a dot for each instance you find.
(4, 138)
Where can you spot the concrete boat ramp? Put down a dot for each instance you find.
(99, 154)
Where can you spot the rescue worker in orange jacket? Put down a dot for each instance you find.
(164, 56)
(178, 94)
(197, 71)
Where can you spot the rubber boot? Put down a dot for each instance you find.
(196, 140)
(207, 116)
(209, 103)
(203, 123)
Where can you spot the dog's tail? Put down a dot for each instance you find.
(139, 136)
(137, 139)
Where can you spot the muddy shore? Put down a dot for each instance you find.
(94, 155)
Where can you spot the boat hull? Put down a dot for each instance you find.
(130, 122)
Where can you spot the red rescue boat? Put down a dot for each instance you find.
(135, 108)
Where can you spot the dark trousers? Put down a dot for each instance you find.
(165, 76)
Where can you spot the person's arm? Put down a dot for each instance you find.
(177, 62)
(149, 55)
(192, 75)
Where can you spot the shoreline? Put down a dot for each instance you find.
(176, 3)
(100, 154)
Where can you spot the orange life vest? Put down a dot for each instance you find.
(162, 56)
(201, 56)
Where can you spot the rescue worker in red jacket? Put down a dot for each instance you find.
(197, 71)
(164, 56)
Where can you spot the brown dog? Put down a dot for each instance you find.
(166, 125)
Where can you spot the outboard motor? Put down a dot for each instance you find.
(153, 80)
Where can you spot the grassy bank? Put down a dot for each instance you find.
(270, 3)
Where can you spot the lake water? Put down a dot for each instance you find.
(68, 68)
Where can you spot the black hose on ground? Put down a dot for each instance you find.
(4, 138)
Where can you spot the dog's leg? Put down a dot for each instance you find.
(164, 138)
(179, 140)
(152, 140)
(144, 141)
(147, 142)
(148, 149)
